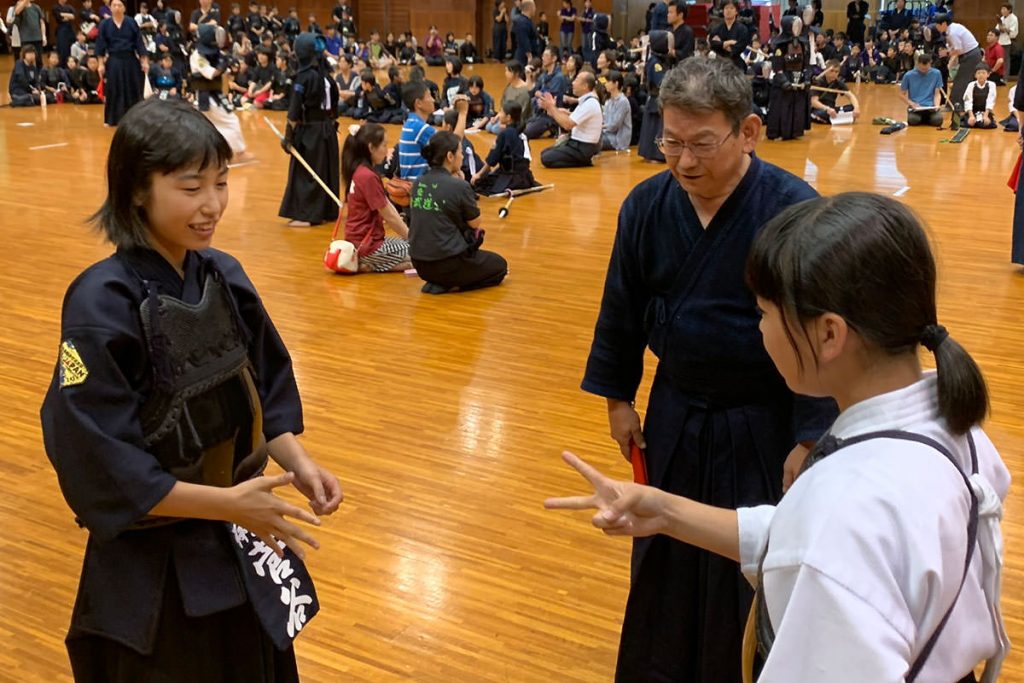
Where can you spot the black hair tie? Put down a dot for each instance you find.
(933, 336)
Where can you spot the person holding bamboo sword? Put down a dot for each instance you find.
(313, 132)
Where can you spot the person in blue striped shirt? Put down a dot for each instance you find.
(416, 132)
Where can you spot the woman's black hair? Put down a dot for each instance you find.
(514, 111)
(155, 136)
(475, 80)
(456, 64)
(516, 68)
(356, 151)
(440, 145)
(866, 258)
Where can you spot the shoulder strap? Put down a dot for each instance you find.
(829, 444)
(972, 524)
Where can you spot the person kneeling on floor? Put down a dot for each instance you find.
(444, 232)
(584, 126)
(980, 100)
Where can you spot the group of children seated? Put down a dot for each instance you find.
(32, 82)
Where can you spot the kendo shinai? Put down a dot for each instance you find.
(313, 132)
(789, 105)
(720, 420)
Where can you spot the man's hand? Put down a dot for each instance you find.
(832, 113)
(625, 426)
(546, 101)
(970, 120)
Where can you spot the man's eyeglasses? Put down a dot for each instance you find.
(701, 150)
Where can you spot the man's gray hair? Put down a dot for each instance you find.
(704, 86)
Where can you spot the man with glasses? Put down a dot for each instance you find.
(721, 422)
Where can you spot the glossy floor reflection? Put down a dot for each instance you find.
(444, 416)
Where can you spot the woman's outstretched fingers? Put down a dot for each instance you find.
(589, 473)
(571, 503)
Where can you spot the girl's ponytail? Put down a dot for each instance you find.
(963, 396)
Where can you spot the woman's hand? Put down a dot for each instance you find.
(318, 485)
(253, 505)
(623, 508)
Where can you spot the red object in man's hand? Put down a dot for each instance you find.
(639, 463)
(1012, 182)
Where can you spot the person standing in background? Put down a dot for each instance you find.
(30, 20)
(1007, 30)
(856, 16)
(524, 34)
(499, 33)
(586, 20)
(120, 46)
(64, 17)
(567, 28)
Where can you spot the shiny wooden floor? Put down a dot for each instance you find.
(444, 416)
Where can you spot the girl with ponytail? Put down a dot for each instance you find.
(894, 518)
(368, 205)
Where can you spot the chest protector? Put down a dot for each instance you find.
(204, 425)
(980, 98)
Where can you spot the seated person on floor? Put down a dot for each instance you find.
(508, 164)
(165, 78)
(381, 103)
(454, 82)
(53, 79)
(348, 84)
(76, 77)
(855, 66)
(1010, 124)
(980, 100)
(617, 131)
(416, 132)
(584, 126)
(921, 89)
(24, 84)
(481, 105)
(445, 234)
(550, 81)
(368, 205)
(471, 162)
(516, 90)
(823, 104)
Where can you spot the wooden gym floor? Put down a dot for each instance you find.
(444, 416)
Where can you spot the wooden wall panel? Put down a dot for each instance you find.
(460, 22)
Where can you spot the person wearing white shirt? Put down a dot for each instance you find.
(1007, 30)
(584, 126)
(1008, 26)
(15, 37)
(963, 51)
(882, 561)
(980, 100)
